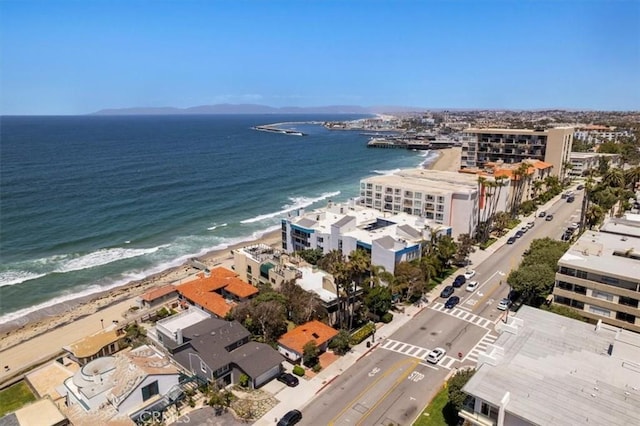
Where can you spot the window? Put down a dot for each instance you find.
(600, 311)
(628, 301)
(378, 188)
(150, 390)
(418, 195)
(625, 317)
(579, 289)
(439, 217)
(602, 295)
(581, 274)
(440, 199)
(567, 271)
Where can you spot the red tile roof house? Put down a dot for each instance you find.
(291, 344)
(217, 291)
(156, 297)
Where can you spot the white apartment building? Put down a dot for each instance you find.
(546, 369)
(599, 276)
(553, 146)
(582, 162)
(445, 198)
(598, 134)
(389, 238)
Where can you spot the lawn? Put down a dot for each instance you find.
(438, 412)
(14, 397)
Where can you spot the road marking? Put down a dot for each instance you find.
(408, 350)
(374, 371)
(430, 366)
(463, 315)
(488, 339)
(398, 364)
(415, 376)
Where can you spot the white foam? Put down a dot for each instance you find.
(17, 277)
(211, 228)
(298, 202)
(104, 257)
(386, 172)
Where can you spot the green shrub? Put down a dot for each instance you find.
(298, 371)
(316, 368)
(364, 332)
(387, 318)
(243, 380)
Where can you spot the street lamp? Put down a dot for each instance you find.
(102, 322)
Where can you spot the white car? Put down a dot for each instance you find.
(436, 355)
(504, 304)
(472, 285)
(469, 273)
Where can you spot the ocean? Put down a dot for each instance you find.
(88, 203)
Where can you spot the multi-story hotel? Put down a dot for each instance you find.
(446, 198)
(599, 275)
(389, 238)
(553, 146)
(546, 369)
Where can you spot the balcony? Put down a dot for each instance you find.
(468, 414)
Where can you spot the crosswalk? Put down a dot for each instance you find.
(463, 315)
(415, 352)
(481, 346)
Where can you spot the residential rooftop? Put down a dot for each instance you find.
(305, 333)
(431, 181)
(560, 371)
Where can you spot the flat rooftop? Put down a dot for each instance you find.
(312, 281)
(183, 320)
(604, 251)
(560, 371)
(421, 180)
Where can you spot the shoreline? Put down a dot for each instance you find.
(40, 322)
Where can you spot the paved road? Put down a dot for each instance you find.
(393, 383)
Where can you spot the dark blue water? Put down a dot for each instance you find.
(89, 202)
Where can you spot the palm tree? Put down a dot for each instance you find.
(521, 177)
(537, 186)
(593, 215)
(429, 265)
(614, 178)
(632, 177)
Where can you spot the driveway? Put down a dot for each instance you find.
(206, 416)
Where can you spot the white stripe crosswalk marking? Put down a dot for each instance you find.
(415, 352)
(463, 315)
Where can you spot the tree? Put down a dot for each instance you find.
(408, 276)
(310, 353)
(311, 256)
(378, 300)
(264, 316)
(534, 282)
(593, 215)
(603, 164)
(632, 177)
(301, 306)
(521, 177)
(340, 344)
(614, 177)
(464, 249)
(455, 385)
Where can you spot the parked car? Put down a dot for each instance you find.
(504, 304)
(447, 292)
(452, 302)
(291, 418)
(436, 355)
(519, 234)
(524, 229)
(511, 240)
(288, 379)
(549, 218)
(542, 214)
(472, 285)
(469, 273)
(459, 281)
(530, 225)
(574, 226)
(571, 199)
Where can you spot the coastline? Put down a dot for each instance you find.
(40, 335)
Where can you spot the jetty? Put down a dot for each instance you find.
(411, 143)
(278, 130)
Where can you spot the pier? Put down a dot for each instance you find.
(277, 130)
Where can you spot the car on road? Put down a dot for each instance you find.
(436, 355)
(459, 281)
(504, 304)
(542, 214)
(447, 292)
(571, 199)
(519, 234)
(524, 229)
(451, 302)
(549, 218)
(472, 286)
(530, 225)
(291, 418)
(511, 240)
(288, 379)
(469, 273)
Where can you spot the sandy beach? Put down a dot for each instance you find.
(40, 335)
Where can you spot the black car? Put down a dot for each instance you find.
(571, 199)
(459, 281)
(511, 240)
(519, 234)
(447, 291)
(288, 379)
(452, 302)
(549, 218)
(542, 214)
(291, 418)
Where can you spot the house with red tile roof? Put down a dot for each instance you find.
(157, 296)
(291, 344)
(216, 291)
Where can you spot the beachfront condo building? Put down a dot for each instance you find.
(599, 276)
(389, 238)
(553, 146)
(547, 369)
(444, 198)
(584, 162)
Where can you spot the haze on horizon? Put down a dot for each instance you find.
(68, 57)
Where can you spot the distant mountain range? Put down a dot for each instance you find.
(257, 109)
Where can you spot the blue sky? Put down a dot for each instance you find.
(76, 57)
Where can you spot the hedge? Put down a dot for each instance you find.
(387, 318)
(363, 333)
(298, 371)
